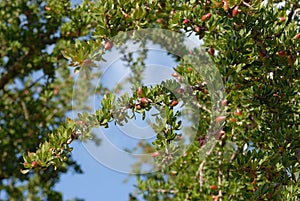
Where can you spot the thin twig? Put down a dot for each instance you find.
(35, 82)
(25, 110)
(201, 175)
(203, 108)
(164, 191)
(236, 151)
(246, 4)
(49, 117)
(220, 175)
(233, 155)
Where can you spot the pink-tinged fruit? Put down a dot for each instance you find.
(224, 102)
(235, 11)
(186, 21)
(238, 112)
(215, 197)
(144, 100)
(232, 119)
(281, 53)
(87, 61)
(175, 74)
(140, 91)
(174, 103)
(34, 164)
(155, 154)
(212, 187)
(281, 19)
(108, 45)
(159, 20)
(297, 36)
(211, 51)
(220, 118)
(138, 107)
(179, 90)
(179, 79)
(225, 5)
(206, 17)
(197, 29)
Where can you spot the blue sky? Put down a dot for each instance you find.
(98, 182)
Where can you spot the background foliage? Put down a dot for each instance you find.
(255, 46)
(35, 90)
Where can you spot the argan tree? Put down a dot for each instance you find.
(248, 151)
(35, 89)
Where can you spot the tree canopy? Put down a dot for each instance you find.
(246, 144)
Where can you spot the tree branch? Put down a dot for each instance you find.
(11, 72)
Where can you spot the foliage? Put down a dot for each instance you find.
(35, 89)
(255, 46)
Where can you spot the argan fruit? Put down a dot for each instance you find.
(174, 103)
(47, 8)
(224, 102)
(225, 5)
(281, 19)
(211, 51)
(232, 119)
(212, 187)
(155, 154)
(206, 17)
(159, 20)
(144, 102)
(138, 107)
(186, 21)
(235, 11)
(34, 163)
(220, 118)
(297, 36)
(139, 91)
(238, 112)
(108, 45)
(197, 29)
(281, 53)
(175, 74)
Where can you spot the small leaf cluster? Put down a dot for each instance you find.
(254, 45)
